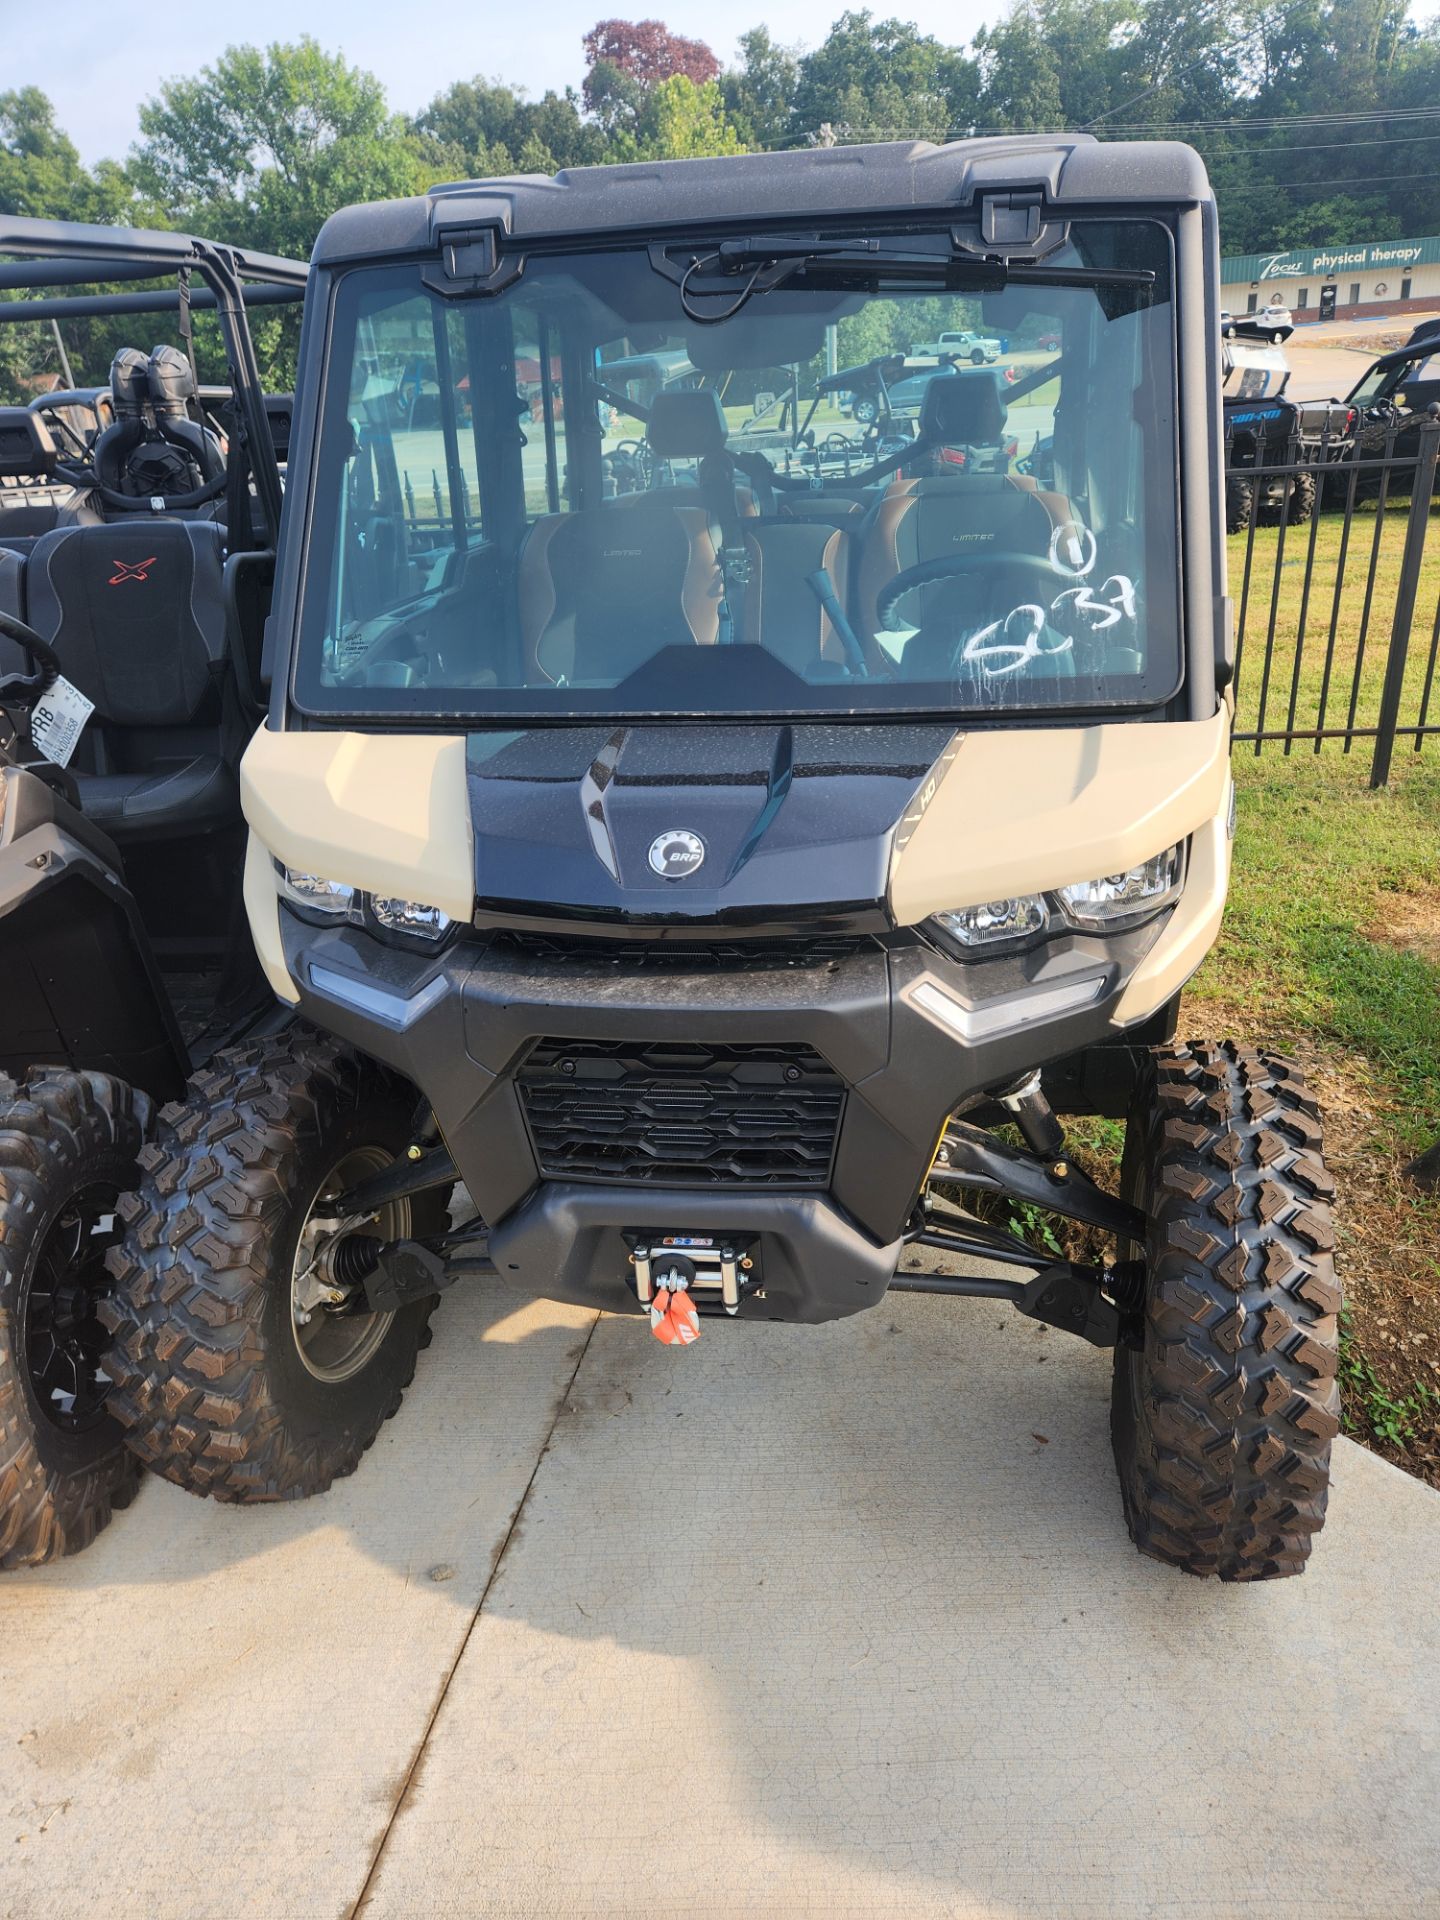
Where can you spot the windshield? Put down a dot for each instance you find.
(638, 483)
(1415, 381)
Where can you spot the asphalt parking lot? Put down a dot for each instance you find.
(835, 1621)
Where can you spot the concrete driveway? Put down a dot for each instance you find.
(838, 1621)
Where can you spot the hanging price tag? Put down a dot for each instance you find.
(57, 720)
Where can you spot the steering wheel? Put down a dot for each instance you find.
(955, 566)
(87, 479)
(24, 688)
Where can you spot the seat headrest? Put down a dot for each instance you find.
(688, 424)
(27, 451)
(130, 382)
(171, 383)
(962, 409)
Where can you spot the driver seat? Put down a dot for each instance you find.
(960, 513)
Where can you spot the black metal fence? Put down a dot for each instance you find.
(1335, 580)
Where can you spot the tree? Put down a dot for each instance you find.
(263, 146)
(648, 52)
(759, 91)
(682, 121)
(40, 171)
(627, 60)
(882, 80)
(480, 127)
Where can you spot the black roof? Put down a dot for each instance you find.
(107, 248)
(1074, 169)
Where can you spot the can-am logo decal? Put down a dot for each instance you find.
(676, 853)
(130, 570)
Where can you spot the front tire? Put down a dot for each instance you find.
(220, 1386)
(1239, 502)
(1224, 1400)
(68, 1143)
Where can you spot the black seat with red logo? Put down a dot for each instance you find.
(135, 613)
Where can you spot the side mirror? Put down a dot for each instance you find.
(249, 581)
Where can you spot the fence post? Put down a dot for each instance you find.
(1416, 527)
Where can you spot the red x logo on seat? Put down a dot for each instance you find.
(130, 570)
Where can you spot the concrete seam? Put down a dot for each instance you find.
(362, 1898)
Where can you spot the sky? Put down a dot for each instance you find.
(98, 63)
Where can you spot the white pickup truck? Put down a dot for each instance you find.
(977, 348)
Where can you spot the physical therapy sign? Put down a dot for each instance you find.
(1324, 263)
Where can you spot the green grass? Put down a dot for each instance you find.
(1317, 857)
(1338, 568)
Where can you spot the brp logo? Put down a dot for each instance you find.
(677, 853)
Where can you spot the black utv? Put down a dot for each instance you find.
(137, 526)
(1391, 403)
(1276, 449)
(736, 879)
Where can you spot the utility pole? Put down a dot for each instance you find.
(65, 369)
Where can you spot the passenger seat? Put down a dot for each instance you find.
(136, 614)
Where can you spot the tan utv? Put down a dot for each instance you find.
(728, 836)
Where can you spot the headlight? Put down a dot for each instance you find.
(411, 917)
(1122, 899)
(329, 903)
(317, 899)
(1108, 905)
(994, 922)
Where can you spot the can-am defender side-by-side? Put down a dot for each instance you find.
(747, 870)
(1276, 449)
(137, 529)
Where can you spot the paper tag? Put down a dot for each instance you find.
(57, 720)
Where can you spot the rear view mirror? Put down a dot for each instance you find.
(249, 581)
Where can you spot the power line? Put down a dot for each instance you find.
(1269, 124)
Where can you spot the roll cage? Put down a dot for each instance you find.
(58, 254)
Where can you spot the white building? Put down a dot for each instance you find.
(1346, 283)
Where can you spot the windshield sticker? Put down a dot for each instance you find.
(1006, 647)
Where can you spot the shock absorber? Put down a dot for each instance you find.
(1035, 1117)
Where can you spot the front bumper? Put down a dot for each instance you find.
(910, 1034)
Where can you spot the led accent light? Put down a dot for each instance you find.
(983, 1022)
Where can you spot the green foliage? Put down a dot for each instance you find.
(264, 146)
(681, 121)
(1370, 1409)
(882, 80)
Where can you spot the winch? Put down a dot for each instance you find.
(709, 1267)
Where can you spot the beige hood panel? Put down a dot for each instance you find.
(385, 811)
(1022, 809)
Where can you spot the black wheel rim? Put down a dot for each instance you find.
(65, 1341)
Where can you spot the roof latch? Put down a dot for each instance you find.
(472, 264)
(1010, 219)
(1011, 224)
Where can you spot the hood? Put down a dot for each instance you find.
(682, 824)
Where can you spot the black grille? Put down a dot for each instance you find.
(693, 956)
(672, 1114)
